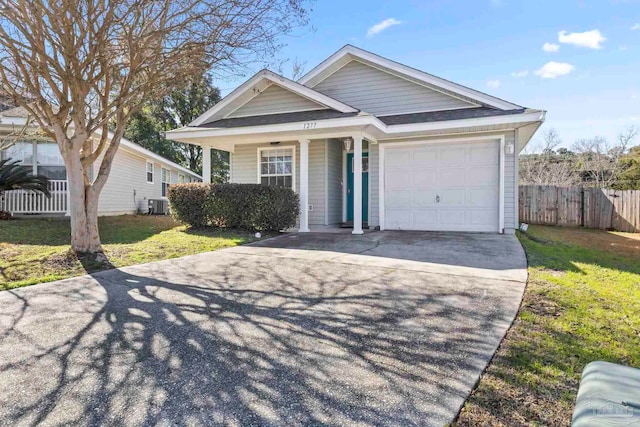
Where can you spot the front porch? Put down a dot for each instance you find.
(321, 170)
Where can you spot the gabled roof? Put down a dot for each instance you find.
(349, 53)
(272, 119)
(258, 83)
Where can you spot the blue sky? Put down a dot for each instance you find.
(591, 87)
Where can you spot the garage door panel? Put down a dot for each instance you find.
(424, 219)
(451, 177)
(481, 197)
(423, 198)
(424, 156)
(442, 187)
(424, 178)
(484, 175)
(397, 219)
(451, 217)
(483, 154)
(398, 179)
(482, 219)
(400, 198)
(398, 158)
(452, 156)
(453, 197)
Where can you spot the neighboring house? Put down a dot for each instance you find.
(370, 142)
(137, 175)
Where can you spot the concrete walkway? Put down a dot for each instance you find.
(382, 329)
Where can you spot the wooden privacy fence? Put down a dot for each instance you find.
(580, 207)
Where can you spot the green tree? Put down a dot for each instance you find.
(630, 178)
(178, 109)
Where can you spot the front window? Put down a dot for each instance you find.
(22, 152)
(166, 180)
(50, 161)
(277, 167)
(181, 179)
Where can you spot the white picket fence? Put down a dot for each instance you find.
(26, 202)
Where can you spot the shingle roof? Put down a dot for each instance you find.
(399, 119)
(439, 116)
(273, 119)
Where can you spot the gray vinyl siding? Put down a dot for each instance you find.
(377, 92)
(334, 181)
(510, 187)
(245, 171)
(317, 180)
(275, 99)
(127, 190)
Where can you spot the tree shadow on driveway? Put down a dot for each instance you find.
(217, 339)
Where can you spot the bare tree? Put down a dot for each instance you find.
(600, 161)
(82, 67)
(545, 164)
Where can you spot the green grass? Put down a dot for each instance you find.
(582, 304)
(37, 250)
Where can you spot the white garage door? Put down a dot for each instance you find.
(442, 187)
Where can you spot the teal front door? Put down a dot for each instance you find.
(365, 187)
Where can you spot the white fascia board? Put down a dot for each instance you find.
(408, 71)
(279, 80)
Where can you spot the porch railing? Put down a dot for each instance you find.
(26, 201)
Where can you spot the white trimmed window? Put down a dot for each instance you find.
(166, 180)
(181, 179)
(150, 172)
(277, 166)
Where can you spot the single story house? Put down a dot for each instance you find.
(374, 143)
(137, 175)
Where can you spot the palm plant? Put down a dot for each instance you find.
(15, 177)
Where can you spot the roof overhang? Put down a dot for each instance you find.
(370, 126)
(258, 83)
(349, 52)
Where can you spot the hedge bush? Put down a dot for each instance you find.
(188, 203)
(246, 206)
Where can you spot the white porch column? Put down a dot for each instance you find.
(206, 164)
(357, 185)
(304, 186)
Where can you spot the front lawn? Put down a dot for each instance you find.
(582, 304)
(37, 250)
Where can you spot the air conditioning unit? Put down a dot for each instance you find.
(158, 207)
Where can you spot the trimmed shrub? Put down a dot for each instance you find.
(188, 202)
(246, 206)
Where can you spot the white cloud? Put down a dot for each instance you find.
(635, 26)
(520, 74)
(592, 39)
(381, 26)
(494, 84)
(552, 70)
(550, 47)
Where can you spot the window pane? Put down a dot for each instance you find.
(288, 181)
(264, 168)
(264, 180)
(22, 151)
(53, 172)
(149, 177)
(150, 167)
(280, 167)
(272, 168)
(49, 154)
(280, 180)
(287, 167)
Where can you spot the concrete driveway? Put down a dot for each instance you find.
(388, 328)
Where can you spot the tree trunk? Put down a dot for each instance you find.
(83, 210)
